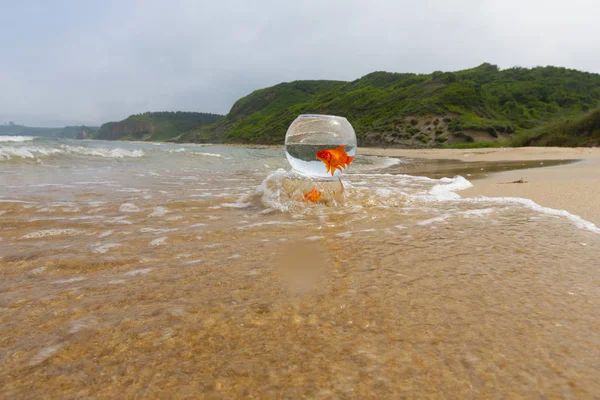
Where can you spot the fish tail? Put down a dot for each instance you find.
(349, 159)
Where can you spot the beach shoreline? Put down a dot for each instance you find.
(571, 186)
(574, 187)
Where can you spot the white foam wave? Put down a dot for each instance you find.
(16, 139)
(575, 219)
(105, 247)
(117, 220)
(209, 154)
(386, 189)
(102, 152)
(477, 213)
(129, 207)
(37, 152)
(157, 230)
(39, 270)
(313, 238)
(158, 212)
(270, 190)
(447, 188)
(26, 152)
(194, 261)
(138, 272)
(433, 220)
(158, 242)
(44, 354)
(235, 205)
(52, 232)
(390, 161)
(15, 201)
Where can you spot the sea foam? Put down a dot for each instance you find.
(52, 232)
(8, 152)
(16, 139)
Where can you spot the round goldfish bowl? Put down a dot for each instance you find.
(320, 146)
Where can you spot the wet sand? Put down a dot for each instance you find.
(141, 281)
(572, 186)
(490, 154)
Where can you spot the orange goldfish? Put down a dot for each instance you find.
(335, 158)
(313, 196)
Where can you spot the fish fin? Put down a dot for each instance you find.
(341, 148)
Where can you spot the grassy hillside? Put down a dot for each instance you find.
(579, 131)
(482, 104)
(159, 126)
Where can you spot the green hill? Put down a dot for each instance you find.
(159, 126)
(582, 130)
(482, 104)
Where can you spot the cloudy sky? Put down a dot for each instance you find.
(91, 61)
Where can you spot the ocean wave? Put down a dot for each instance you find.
(27, 152)
(404, 192)
(191, 152)
(102, 152)
(17, 139)
(209, 154)
(574, 219)
(39, 152)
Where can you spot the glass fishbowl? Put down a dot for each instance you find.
(320, 146)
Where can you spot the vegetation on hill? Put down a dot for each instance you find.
(159, 126)
(482, 104)
(582, 130)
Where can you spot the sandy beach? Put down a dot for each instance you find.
(574, 187)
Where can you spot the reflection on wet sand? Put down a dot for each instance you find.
(439, 168)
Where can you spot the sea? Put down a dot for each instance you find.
(156, 270)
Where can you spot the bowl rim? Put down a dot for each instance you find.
(319, 116)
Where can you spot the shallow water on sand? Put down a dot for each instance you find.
(172, 271)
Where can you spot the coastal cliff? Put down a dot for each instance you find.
(159, 126)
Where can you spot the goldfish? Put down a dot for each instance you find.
(335, 158)
(313, 196)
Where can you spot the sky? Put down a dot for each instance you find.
(92, 61)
